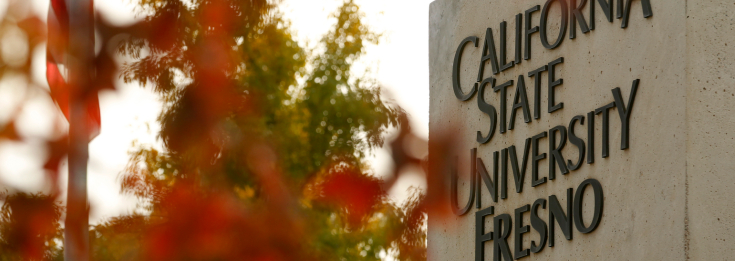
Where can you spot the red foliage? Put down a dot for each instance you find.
(198, 225)
(195, 222)
(354, 192)
(438, 168)
(30, 221)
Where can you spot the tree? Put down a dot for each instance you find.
(30, 228)
(29, 222)
(265, 142)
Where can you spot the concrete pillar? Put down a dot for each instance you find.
(667, 196)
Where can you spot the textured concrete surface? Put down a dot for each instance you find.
(710, 106)
(669, 196)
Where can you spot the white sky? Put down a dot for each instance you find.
(129, 114)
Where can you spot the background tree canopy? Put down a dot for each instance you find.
(265, 142)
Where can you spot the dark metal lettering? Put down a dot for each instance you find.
(578, 200)
(577, 142)
(553, 82)
(520, 229)
(480, 236)
(453, 194)
(455, 71)
(607, 9)
(490, 184)
(605, 110)
(502, 224)
(535, 158)
(555, 157)
(520, 102)
(591, 137)
(577, 17)
(544, 20)
(539, 225)
(556, 213)
(519, 38)
(503, 103)
(530, 30)
(647, 11)
(488, 47)
(536, 74)
(504, 173)
(487, 109)
(504, 48)
(624, 113)
(519, 174)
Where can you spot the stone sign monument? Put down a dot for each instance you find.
(584, 129)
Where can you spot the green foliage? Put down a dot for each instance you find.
(332, 117)
(346, 116)
(307, 107)
(118, 238)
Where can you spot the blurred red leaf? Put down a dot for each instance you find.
(197, 225)
(353, 191)
(29, 222)
(8, 132)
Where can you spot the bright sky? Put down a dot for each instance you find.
(129, 114)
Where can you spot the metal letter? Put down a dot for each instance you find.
(535, 158)
(605, 110)
(555, 156)
(552, 84)
(519, 174)
(536, 74)
(520, 102)
(453, 193)
(579, 143)
(647, 11)
(564, 220)
(519, 39)
(577, 17)
(544, 21)
(607, 9)
(504, 173)
(539, 225)
(504, 48)
(480, 236)
(502, 224)
(489, 46)
(530, 30)
(578, 200)
(487, 109)
(455, 71)
(591, 137)
(491, 186)
(624, 113)
(503, 103)
(520, 229)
